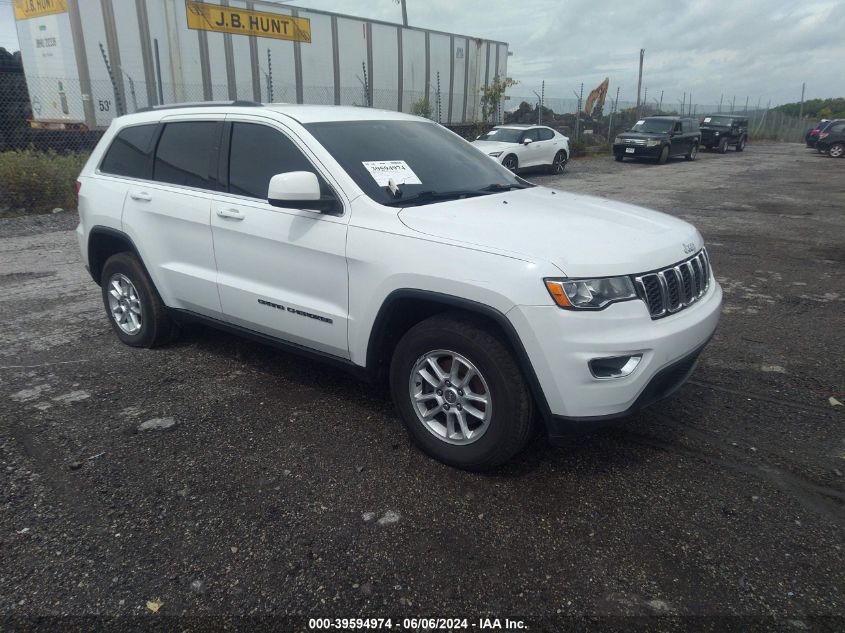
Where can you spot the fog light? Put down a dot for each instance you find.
(614, 366)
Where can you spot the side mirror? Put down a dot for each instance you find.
(299, 190)
(527, 141)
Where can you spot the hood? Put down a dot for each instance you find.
(643, 135)
(583, 236)
(494, 146)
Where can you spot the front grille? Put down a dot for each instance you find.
(674, 288)
(635, 141)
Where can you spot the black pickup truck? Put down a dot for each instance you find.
(659, 137)
(721, 130)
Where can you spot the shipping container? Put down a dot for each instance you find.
(87, 61)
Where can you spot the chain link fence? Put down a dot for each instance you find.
(50, 113)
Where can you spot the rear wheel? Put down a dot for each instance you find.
(837, 150)
(136, 313)
(742, 143)
(723, 146)
(664, 155)
(461, 393)
(511, 162)
(559, 162)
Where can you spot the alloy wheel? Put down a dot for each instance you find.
(559, 163)
(450, 397)
(124, 304)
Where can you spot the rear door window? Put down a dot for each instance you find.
(546, 134)
(187, 154)
(131, 152)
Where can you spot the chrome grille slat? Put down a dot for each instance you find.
(674, 288)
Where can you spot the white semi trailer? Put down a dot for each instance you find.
(87, 61)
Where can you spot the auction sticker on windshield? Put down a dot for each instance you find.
(383, 171)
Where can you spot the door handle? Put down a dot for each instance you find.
(140, 195)
(233, 214)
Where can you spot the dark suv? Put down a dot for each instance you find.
(659, 137)
(832, 139)
(721, 130)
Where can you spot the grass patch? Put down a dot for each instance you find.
(38, 182)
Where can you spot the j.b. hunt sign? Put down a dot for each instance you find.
(220, 19)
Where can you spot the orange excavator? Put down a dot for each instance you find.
(595, 101)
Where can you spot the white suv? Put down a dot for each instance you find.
(386, 244)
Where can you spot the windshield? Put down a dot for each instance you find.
(724, 121)
(502, 135)
(423, 159)
(653, 126)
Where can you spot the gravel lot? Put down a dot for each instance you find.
(286, 488)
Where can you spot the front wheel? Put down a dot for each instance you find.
(619, 157)
(664, 155)
(837, 150)
(511, 162)
(723, 146)
(136, 312)
(742, 143)
(461, 393)
(559, 162)
(692, 153)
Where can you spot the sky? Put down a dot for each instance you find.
(760, 49)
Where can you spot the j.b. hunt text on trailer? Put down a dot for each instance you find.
(112, 57)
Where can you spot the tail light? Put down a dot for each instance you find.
(824, 134)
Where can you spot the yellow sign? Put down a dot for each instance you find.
(214, 17)
(36, 8)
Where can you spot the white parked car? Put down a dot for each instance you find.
(385, 244)
(518, 146)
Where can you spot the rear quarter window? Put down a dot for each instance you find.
(131, 152)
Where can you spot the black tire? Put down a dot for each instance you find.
(619, 157)
(723, 146)
(692, 153)
(741, 145)
(837, 150)
(156, 326)
(664, 155)
(511, 421)
(559, 163)
(511, 162)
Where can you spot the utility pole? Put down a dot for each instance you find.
(645, 98)
(640, 81)
(733, 104)
(720, 102)
(801, 111)
(689, 112)
(404, 13)
(684, 104)
(746, 104)
(660, 107)
(539, 105)
(612, 111)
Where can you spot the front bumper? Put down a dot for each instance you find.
(560, 344)
(640, 151)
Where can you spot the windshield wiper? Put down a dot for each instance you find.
(424, 197)
(496, 187)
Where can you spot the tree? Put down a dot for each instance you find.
(421, 107)
(492, 95)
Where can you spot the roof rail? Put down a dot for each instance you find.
(201, 104)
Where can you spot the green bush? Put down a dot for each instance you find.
(421, 107)
(577, 147)
(37, 182)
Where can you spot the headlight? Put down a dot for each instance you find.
(590, 294)
(653, 142)
(717, 134)
(617, 140)
(495, 154)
